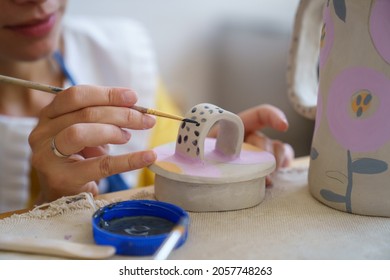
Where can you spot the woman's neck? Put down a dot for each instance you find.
(23, 102)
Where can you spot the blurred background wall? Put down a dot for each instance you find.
(230, 53)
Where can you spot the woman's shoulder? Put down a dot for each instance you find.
(109, 51)
(106, 31)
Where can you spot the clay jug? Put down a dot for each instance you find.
(343, 59)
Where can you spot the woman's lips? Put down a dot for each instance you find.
(38, 28)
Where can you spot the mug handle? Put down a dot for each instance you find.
(302, 73)
(191, 138)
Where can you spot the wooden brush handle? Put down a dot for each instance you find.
(53, 247)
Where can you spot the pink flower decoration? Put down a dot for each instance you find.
(380, 28)
(353, 132)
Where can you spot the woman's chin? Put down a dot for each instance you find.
(35, 52)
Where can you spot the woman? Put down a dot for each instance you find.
(66, 136)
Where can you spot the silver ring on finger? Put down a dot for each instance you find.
(56, 151)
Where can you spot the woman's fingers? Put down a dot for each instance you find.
(69, 144)
(75, 138)
(98, 151)
(74, 172)
(259, 117)
(283, 152)
(263, 116)
(259, 140)
(104, 166)
(85, 104)
(79, 97)
(119, 116)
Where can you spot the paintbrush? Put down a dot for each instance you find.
(55, 90)
(171, 241)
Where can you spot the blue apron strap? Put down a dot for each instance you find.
(115, 182)
(61, 63)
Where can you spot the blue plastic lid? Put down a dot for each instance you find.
(137, 227)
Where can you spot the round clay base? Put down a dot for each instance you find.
(204, 197)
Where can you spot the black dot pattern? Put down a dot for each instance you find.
(188, 138)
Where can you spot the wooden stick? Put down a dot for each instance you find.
(170, 242)
(55, 247)
(28, 84)
(55, 90)
(158, 113)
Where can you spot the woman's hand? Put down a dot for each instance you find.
(262, 116)
(80, 122)
(259, 117)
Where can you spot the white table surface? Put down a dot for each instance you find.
(288, 224)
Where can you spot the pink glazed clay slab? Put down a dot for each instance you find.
(216, 167)
(203, 174)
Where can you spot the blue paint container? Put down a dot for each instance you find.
(137, 227)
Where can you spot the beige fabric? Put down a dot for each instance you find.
(288, 224)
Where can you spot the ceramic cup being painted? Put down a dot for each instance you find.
(202, 174)
(351, 144)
